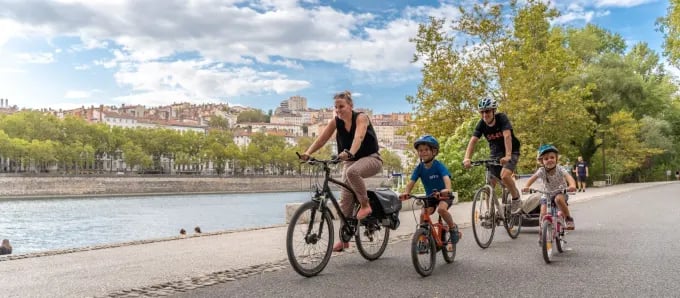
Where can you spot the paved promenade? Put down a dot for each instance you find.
(166, 266)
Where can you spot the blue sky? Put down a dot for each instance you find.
(72, 53)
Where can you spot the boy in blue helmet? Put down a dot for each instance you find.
(555, 179)
(436, 180)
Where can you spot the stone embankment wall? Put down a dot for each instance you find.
(84, 186)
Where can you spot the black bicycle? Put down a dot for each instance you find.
(309, 240)
(487, 212)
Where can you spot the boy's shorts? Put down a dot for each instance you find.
(434, 203)
(552, 200)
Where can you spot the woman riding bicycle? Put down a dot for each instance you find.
(555, 179)
(436, 180)
(357, 146)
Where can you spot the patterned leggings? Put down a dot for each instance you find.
(353, 174)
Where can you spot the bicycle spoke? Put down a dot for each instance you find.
(483, 217)
(309, 244)
(372, 240)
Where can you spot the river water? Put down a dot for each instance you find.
(34, 225)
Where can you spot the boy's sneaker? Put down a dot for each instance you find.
(515, 205)
(455, 234)
(570, 223)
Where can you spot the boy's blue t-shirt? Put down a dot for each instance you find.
(433, 178)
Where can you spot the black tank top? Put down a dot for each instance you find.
(344, 138)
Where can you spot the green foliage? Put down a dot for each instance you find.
(219, 122)
(670, 27)
(565, 86)
(464, 181)
(391, 161)
(254, 115)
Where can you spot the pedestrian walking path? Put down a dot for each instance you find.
(166, 266)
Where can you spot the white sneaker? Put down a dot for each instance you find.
(516, 205)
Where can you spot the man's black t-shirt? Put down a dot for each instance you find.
(494, 134)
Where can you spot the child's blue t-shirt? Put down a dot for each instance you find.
(433, 178)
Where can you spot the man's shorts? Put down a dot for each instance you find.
(511, 165)
(581, 178)
(552, 200)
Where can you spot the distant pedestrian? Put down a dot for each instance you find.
(182, 232)
(677, 175)
(5, 248)
(581, 168)
(197, 229)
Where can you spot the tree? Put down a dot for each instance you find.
(502, 61)
(623, 141)
(254, 115)
(218, 122)
(134, 156)
(670, 27)
(391, 161)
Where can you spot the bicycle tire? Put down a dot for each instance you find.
(376, 236)
(449, 256)
(422, 239)
(317, 224)
(559, 239)
(512, 222)
(483, 220)
(547, 241)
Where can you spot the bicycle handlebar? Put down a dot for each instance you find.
(432, 196)
(313, 161)
(489, 162)
(561, 190)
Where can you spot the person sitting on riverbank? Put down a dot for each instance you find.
(197, 229)
(182, 232)
(5, 248)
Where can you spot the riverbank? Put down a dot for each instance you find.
(87, 186)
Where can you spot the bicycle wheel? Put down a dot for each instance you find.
(547, 241)
(372, 239)
(483, 217)
(423, 252)
(512, 222)
(559, 238)
(449, 256)
(309, 239)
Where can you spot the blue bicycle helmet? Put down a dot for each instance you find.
(487, 103)
(428, 140)
(545, 148)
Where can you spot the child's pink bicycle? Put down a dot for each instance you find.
(551, 228)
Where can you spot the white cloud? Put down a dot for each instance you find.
(82, 67)
(222, 31)
(77, 94)
(202, 79)
(586, 16)
(289, 64)
(621, 3)
(38, 58)
(12, 70)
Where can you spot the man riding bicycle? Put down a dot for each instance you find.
(504, 146)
